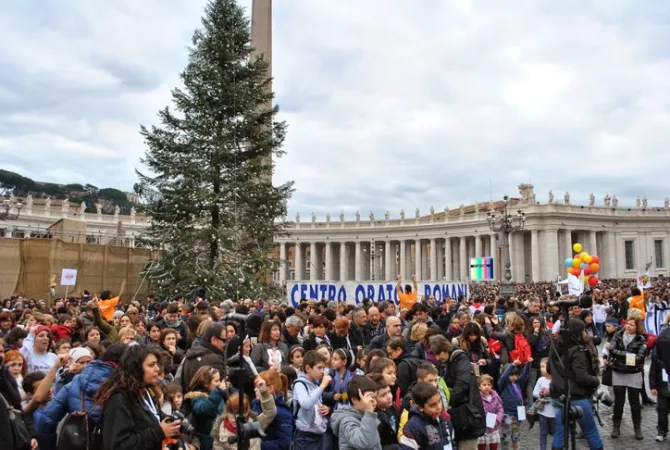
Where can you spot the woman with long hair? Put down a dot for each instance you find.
(582, 376)
(270, 352)
(131, 415)
(626, 354)
(474, 344)
(205, 397)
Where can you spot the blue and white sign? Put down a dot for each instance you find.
(355, 292)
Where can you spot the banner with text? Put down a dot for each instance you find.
(355, 292)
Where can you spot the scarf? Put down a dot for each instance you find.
(176, 324)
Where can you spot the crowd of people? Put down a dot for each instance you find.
(467, 373)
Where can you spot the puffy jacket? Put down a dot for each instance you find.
(59, 332)
(205, 407)
(426, 433)
(618, 351)
(511, 400)
(356, 430)
(493, 406)
(460, 378)
(406, 372)
(68, 400)
(280, 431)
(200, 354)
(129, 425)
(582, 377)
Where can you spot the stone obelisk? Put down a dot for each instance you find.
(261, 39)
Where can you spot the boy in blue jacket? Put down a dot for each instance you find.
(429, 425)
(510, 390)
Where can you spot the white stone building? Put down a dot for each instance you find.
(39, 214)
(439, 246)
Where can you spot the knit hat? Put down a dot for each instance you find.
(41, 328)
(80, 352)
(118, 314)
(611, 320)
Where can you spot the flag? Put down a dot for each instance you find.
(643, 281)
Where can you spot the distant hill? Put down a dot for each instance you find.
(109, 198)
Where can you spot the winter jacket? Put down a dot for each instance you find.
(356, 430)
(129, 425)
(220, 433)
(406, 372)
(261, 358)
(370, 332)
(10, 391)
(539, 348)
(388, 428)
(618, 351)
(493, 406)
(661, 348)
(460, 378)
(510, 398)
(68, 400)
(312, 342)
(280, 431)
(205, 407)
(178, 326)
(356, 337)
(425, 433)
(59, 332)
(505, 337)
(379, 341)
(200, 354)
(582, 377)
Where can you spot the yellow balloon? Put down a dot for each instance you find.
(588, 259)
(577, 247)
(583, 256)
(576, 262)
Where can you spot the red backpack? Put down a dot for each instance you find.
(521, 349)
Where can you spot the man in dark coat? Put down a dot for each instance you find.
(205, 351)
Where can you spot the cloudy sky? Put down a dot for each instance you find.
(390, 103)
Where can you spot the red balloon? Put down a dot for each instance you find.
(595, 259)
(593, 280)
(587, 271)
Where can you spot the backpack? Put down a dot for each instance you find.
(521, 349)
(78, 431)
(20, 437)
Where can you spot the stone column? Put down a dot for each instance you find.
(593, 244)
(448, 267)
(535, 256)
(403, 262)
(478, 247)
(358, 266)
(283, 264)
(439, 256)
(568, 243)
(388, 261)
(299, 262)
(550, 265)
(418, 257)
(463, 265)
(329, 261)
(313, 263)
(433, 259)
(344, 261)
(497, 264)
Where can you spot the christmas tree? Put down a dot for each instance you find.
(209, 193)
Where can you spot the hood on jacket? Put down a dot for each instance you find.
(195, 394)
(344, 413)
(93, 375)
(199, 349)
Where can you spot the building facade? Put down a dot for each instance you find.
(439, 246)
(43, 218)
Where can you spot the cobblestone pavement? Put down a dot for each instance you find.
(530, 438)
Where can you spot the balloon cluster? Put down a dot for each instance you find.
(584, 263)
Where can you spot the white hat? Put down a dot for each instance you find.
(80, 352)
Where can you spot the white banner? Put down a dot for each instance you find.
(68, 277)
(354, 292)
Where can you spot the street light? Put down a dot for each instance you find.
(7, 206)
(504, 224)
(374, 254)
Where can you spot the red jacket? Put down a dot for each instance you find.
(59, 332)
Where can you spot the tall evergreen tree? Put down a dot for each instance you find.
(210, 196)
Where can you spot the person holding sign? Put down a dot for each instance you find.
(627, 352)
(407, 297)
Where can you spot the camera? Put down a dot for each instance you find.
(604, 398)
(185, 427)
(247, 431)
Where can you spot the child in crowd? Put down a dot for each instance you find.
(295, 356)
(310, 413)
(492, 405)
(542, 405)
(341, 377)
(356, 425)
(510, 390)
(429, 426)
(174, 397)
(387, 414)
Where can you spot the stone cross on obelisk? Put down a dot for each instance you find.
(261, 39)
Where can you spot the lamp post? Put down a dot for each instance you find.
(374, 254)
(7, 206)
(505, 223)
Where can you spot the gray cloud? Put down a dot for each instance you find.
(390, 105)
